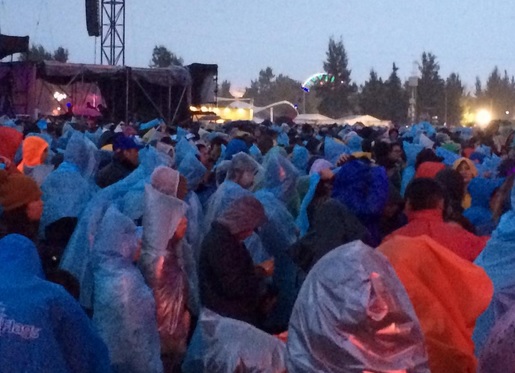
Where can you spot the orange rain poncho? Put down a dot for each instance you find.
(33, 149)
(448, 294)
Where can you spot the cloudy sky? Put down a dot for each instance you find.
(291, 36)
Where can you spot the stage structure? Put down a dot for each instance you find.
(113, 32)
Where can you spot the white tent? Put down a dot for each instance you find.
(317, 119)
(367, 120)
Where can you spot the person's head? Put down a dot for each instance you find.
(243, 170)
(242, 217)
(427, 155)
(20, 200)
(395, 154)
(215, 150)
(204, 155)
(393, 134)
(126, 149)
(466, 169)
(35, 151)
(424, 194)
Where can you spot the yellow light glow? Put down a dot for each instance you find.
(203, 109)
(216, 110)
(227, 110)
(193, 108)
(483, 118)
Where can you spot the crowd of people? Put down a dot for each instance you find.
(147, 247)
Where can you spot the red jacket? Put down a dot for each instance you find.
(450, 235)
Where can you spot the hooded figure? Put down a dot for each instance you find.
(123, 305)
(468, 171)
(300, 158)
(128, 196)
(353, 315)
(67, 190)
(229, 283)
(333, 149)
(162, 261)
(411, 151)
(498, 260)
(479, 214)
(10, 141)
(43, 328)
(448, 294)
(364, 190)
(34, 152)
(221, 344)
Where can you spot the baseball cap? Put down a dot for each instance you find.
(123, 142)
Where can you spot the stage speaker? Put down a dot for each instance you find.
(93, 17)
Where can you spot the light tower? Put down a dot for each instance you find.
(113, 32)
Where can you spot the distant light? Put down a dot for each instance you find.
(507, 112)
(305, 89)
(483, 118)
(193, 108)
(203, 109)
(59, 96)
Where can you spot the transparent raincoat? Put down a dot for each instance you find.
(353, 315)
(334, 149)
(128, 196)
(123, 305)
(162, 262)
(224, 345)
(68, 189)
(411, 151)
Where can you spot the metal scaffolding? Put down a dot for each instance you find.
(113, 32)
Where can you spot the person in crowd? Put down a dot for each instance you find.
(35, 152)
(22, 207)
(230, 284)
(125, 160)
(468, 171)
(10, 141)
(425, 204)
(448, 294)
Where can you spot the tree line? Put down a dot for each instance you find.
(443, 99)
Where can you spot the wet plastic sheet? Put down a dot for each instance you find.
(223, 345)
(353, 315)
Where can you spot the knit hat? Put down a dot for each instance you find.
(17, 190)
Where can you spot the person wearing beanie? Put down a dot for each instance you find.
(21, 205)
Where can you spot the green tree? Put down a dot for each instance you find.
(431, 88)
(162, 57)
(454, 90)
(61, 54)
(37, 53)
(225, 89)
(335, 94)
(373, 96)
(397, 98)
(498, 95)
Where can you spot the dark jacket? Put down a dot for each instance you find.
(114, 172)
(229, 283)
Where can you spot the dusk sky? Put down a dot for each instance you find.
(291, 36)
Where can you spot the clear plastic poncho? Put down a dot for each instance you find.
(333, 149)
(300, 158)
(128, 196)
(411, 151)
(123, 305)
(353, 315)
(162, 263)
(224, 345)
(67, 190)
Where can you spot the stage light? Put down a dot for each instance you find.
(483, 118)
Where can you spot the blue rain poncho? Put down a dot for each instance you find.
(334, 149)
(94, 136)
(192, 169)
(411, 151)
(422, 127)
(364, 190)
(163, 266)
(67, 190)
(234, 147)
(255, 152)
(498, 260)
(479, 213)
(302, 220)
(43, 328)
(225, 345)
(300, 158)
(277, 234)
(182, 149)
(354, 143)
(448, 157)
(128, 196)
(124, 311)
(280, 178)
(354, 315)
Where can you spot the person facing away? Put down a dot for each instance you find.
(125, 160)
(230, 284)
(424, 209)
